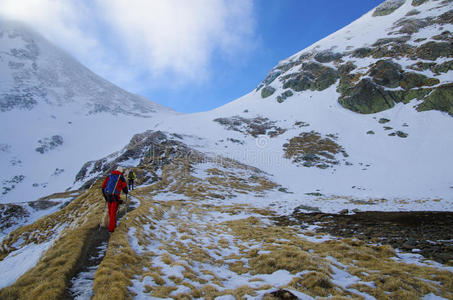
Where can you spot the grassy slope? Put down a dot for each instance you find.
(218, 248)
(50, 277)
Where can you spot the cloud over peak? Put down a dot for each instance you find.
(130, 41)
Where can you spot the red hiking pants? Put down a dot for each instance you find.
(113, 206)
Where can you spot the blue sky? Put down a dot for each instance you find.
(283, 28)
(190, 55)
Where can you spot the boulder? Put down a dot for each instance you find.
(284, 95)
(411, 80)
(362, 52)
(312, 76)
(267, 91)
(327, 56)
(418, 2)
(388, 7)
(366, 98)
(440, 99)
(386, 73)
(434, 50)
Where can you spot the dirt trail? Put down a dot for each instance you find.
(92, 255)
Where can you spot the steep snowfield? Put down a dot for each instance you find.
(55, 115)
(382, 165)
(416, 168)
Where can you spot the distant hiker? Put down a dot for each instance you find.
(111, 189)
(130, 179)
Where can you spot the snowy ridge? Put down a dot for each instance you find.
(396, 153)
(57, 115)
(34, 71)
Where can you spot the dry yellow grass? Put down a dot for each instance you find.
(186, 235)
(50, 277)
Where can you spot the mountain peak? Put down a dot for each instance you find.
(35, 72)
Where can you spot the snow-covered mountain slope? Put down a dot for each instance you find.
(219, 209)
(363, 113)
(55, 115)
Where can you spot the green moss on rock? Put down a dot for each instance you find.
(310, 149)
(267, 91)
(284, 95)
(434, 50)
(412, 80)
(407, 96)
(313, 76)
(418, 2)
(327, 56)
(441, 99)
(362, 52)
(433, 67)
(412, 13)
(402, 134)
(387, 7)
(444, 36)
(386, 73)
(445, 18)
(366, 98)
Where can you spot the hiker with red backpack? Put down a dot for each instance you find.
(111, 189)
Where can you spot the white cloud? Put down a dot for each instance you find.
(126, 41)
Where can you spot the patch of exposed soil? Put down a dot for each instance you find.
(427, 233)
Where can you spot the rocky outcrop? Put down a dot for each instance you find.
(440, 99)
(386, 78)
(312, 76)
(284, 95)
(267, 91)
(310, 149)
(388, 7)
(366, 97)
(48, 144)
(151, 148)
(251, 126)
(372, 94)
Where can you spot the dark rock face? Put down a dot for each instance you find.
(148, 148)
(386, 73)
(410, 25)
(433, 50)
(371, 96)
(267, 91)
(327, 56)
(283, 295)
(11, 214)
(366, 98)
(444, 36)
(378, 86)
(253, 126)
(312, 76)
(418, 2)
(48, 144)
(362, 52)
(310, 149)
(9, 185)
(440, 99)
(388, 7)
(284, 95)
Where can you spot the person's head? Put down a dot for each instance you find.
(120, 169)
